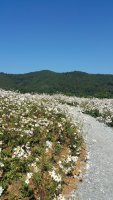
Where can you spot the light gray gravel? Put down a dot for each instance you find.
(98, 181)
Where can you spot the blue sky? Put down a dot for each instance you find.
(59, 35)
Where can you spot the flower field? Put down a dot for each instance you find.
(102, 109)
(40, 148)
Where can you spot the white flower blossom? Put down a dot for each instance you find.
(56, 177)
(29, 175)
(1, 191)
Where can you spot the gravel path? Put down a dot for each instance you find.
(98, 182)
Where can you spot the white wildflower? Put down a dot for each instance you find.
(29, 175)
(56, 177)
(1, 164)
(1, 191)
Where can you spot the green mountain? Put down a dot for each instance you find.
(69, 83)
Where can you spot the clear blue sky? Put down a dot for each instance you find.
(59, 35)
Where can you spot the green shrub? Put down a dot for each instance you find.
(26, 191)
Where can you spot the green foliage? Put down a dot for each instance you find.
(22, 166)
(111, 124)
(27, 192)
(47, 166)
(93, 113)
(70, 83)
(37, 178)
(51, 190)
(58, 148)
(37, 151)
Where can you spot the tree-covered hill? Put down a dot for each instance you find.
(69, 83)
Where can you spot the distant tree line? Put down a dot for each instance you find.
(69, 83)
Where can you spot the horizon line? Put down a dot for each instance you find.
(1, 72)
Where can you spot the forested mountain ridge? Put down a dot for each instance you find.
(69, 83)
